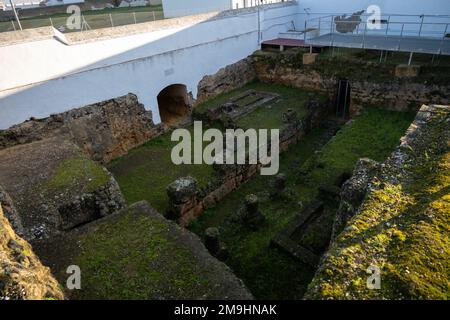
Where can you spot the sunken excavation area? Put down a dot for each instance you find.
(363, 182)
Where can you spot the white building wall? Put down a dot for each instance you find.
(176, 8)
(44, 77)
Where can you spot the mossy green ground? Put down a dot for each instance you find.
(402, 228)
(147, 170)
(268, 272)
(135, 257)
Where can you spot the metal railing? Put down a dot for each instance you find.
(394, 26)
(239, 4)
(410, 26)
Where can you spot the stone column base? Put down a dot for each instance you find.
(407, 71)
(309, 58)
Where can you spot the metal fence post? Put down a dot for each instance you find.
(400, 38)
(154, 17)
(14, 26)
(331, 30)
(320, 22)
(111, 19)
(304, 31)
(134, 17)
(364, 36)
(387, 26)
(421, 25)
(443, 38)
(51, 22)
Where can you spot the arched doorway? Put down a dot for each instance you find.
(174, 105)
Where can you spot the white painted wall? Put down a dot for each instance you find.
(44, 77)
(176, 8)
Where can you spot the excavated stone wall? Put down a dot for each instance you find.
(104, 130)
(226, 79)
(395, 94)
(22, 275)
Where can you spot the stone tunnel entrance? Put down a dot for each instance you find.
(174, 105)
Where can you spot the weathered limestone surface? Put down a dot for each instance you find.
(104, 130)
(55, 187)
(22, 275)
(226, 79)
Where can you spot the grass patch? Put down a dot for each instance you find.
(146, 171)
(134, 257)
(373, 134)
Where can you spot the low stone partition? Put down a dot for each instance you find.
(105, 130)
(187, 201)
(237, 107)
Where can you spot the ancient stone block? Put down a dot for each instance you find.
(183, 202)
(104, 130)
(252, 217)
(55, 186)
(407, 71)
(353, 192)
(309, 58)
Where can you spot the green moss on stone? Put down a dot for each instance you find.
(71, 173)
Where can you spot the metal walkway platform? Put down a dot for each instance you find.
(285, 42)
(378, 42)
